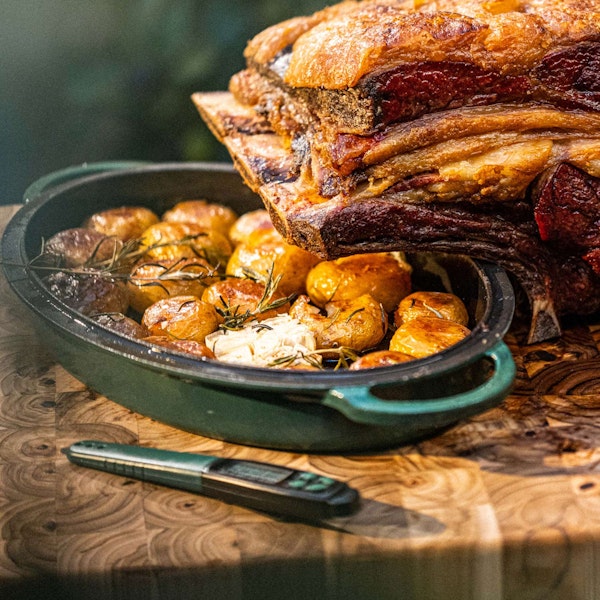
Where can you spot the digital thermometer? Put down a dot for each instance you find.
(261, 486)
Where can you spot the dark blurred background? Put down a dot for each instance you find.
(86, 81)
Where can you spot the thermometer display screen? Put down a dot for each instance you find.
(250, 471)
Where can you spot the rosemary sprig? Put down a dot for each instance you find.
(124, 256)
(178, 271)
(345, 356)
(234, 319)
(336, 316)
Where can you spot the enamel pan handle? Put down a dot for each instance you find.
(359, 405)
(69, 173)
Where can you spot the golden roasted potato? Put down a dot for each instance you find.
(207, 215)
(125, 222)
(192, 347)
(266, 254)
(431, 304)
(424, 336)
(360, 323)
(380, 358)
(152, 281)
(381, 275)
(248, 223)
(238, 297)
(79, 246)
(181, 318)
(185, 240)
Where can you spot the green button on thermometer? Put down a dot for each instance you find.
(261, 486)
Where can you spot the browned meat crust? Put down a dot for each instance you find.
(469, 127)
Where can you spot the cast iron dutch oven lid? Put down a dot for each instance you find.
(327, 410)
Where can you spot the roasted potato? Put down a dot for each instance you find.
(185, 240)
(431, 304)
(89, 293)
(125, 222)
(424, 336)
(207, 215)
(383, 276)
(152, 281)
(181, 318)
(249, 223)
(245, 298)
(359, 324)
(380, 358)
(80, 246)
(266, 255)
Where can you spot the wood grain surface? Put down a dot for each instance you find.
(503, 506)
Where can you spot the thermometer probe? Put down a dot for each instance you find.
(261, 486)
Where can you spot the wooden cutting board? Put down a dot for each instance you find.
(505, 505)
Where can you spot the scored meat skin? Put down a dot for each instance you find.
(337, 47)
(461, 126)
